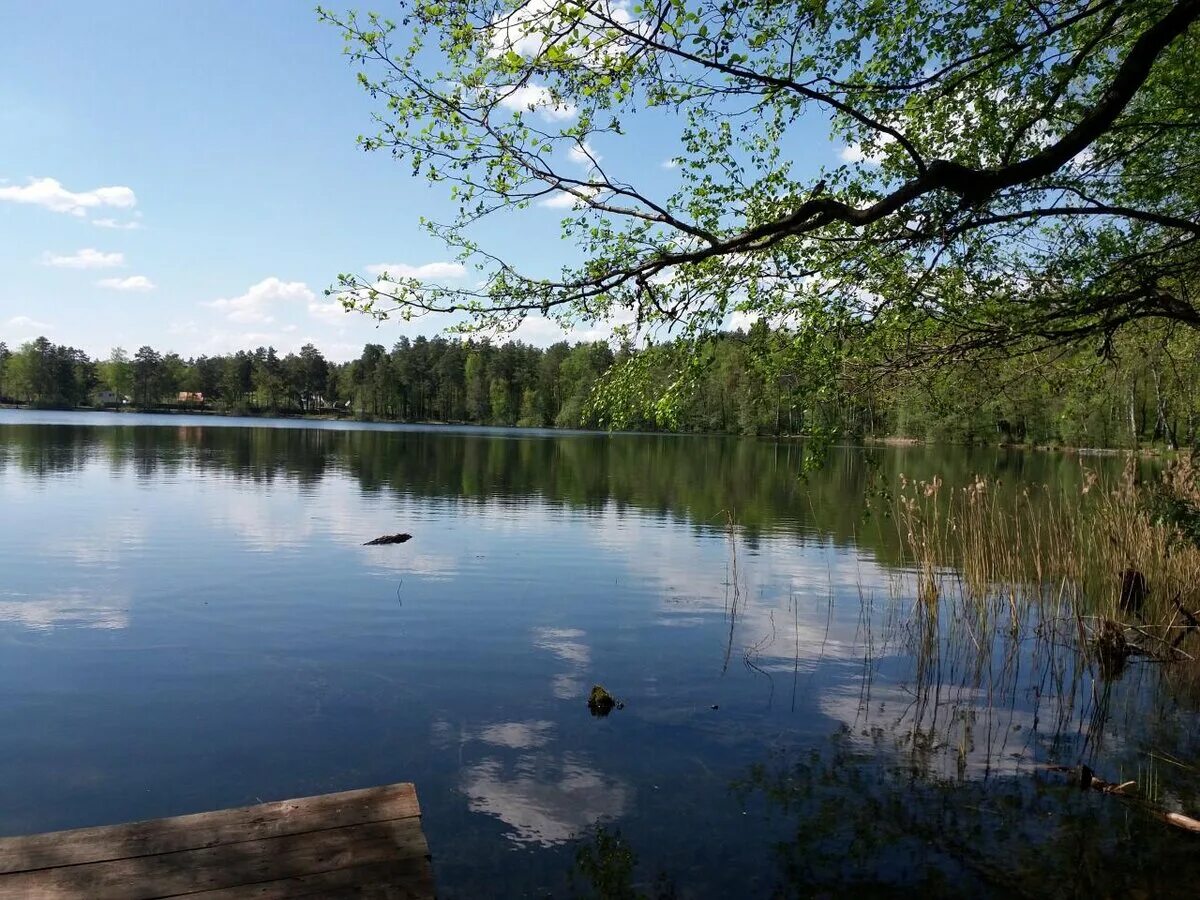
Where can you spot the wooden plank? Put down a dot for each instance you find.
(227, 826)
(227, 865)
(406, 880)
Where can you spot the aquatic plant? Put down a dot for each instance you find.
(1097, 555)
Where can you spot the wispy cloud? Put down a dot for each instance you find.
(132, 283)
(535, 98)
(88, 258)
(113, 223)
(854, 152)
(28, 323)
(328, 311)
(251, 307)
(49, 193)
(567, 200)
(584, 154)
(426, 271)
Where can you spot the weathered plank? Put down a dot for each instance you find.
(364, 843)
(208, 829)
(403, 880)
(226, 865)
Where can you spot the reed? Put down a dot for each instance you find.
(1108, 553)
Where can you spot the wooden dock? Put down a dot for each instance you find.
(364, 843)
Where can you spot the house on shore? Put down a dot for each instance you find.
(110, 398)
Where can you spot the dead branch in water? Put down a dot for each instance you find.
(1088, 781)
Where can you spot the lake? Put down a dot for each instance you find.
(189, 620)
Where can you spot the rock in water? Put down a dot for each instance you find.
(389, 539)
(601, 702)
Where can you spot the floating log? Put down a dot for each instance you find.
(388, 539)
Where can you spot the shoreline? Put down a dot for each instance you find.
(891, 441)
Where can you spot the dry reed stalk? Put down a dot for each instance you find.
(1050, 552)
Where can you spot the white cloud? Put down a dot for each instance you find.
(251, 307)
(852, 153)
(27, 322)
(113, 223)
(516, 32)
(230, 342)
(584, 154)
(535, 98)
(332, 310)
(88, 258)
(326, 310)
(426, 271)
(567, 200)
(670, 163)
(132, 283)
(50, 194)
(529, 29)
(740, 320)
(541, 331)
(855, 153)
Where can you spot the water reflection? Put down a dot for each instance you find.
(694, 479)
(518, 735)
(544, 799)
(74, 610)
(189, 620)
(566, 644)
(863, 825)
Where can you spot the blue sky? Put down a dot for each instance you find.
(184, 174)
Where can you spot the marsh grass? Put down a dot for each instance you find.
(1043, 553)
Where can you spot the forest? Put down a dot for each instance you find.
(755, 381)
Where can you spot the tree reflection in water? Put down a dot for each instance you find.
(947, 717)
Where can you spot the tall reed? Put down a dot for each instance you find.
(1097, 553)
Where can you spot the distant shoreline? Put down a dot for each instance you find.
(324, 415)
(893, 441)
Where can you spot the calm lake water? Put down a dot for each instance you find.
(189, 621)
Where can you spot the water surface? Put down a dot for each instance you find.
(189, 620)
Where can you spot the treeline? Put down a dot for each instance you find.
(1145, 388)
(420, 380)
(1140, 388)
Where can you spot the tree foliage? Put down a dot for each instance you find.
(753, 382)
(1018, 175)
